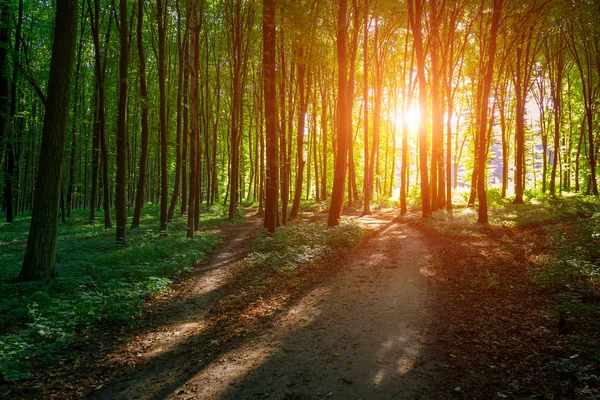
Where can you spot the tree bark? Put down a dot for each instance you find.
(270, 103)
(415, 11)
(41, 244)
(343, 119)
(140, 193)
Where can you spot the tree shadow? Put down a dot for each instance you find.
(365, 334)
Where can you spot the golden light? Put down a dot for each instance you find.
(411, 116)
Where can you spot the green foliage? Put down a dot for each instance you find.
(98, 282)
(576, 252)
(300, 244)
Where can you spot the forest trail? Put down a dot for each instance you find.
(360, 335)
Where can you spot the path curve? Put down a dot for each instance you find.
(360, 336)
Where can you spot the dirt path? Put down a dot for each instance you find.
(161, 348)
(361, 335)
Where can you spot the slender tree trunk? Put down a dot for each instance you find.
(120, 203)
(180, 73)
(415, 11)
(194, 102)
(5, 21)
(303, 107)
(140, 193)
(366, 171)
(270, 96)
(162, 113)
(185, 134)
(74, 131)
(487, 84)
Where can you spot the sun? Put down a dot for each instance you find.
(411, 116)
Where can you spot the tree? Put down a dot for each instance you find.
(415, 14)
(194, 27)
(164, 179)
(39, 255)
(343, 119)
(270, 102)
(5, 99)
(486, 82)
(120, 201)
(141, 184)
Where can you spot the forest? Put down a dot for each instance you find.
(141, 140)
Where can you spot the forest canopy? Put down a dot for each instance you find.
(108, 106)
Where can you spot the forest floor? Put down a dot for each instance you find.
(411, 312)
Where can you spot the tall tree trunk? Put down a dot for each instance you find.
(366, 171)
(41, 244)
(343, 119)
(185, 134)
(487, 84)
(161, 12)
(415, 11)
(180, 73)
(194, 102)
(71, 184)
(121, 190)
(270, 96)
(5, 21)
(140, 193)
(324, 140)
(302, 109)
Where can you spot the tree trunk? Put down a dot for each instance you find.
(162, 113)
(41, 244)
(302, 109)
(415, 11)
(194, 102)
(270, 102)
(121, 190)
(343, 119)
(5, 20)
(487, 84)
(140, 193)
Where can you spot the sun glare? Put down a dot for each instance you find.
(411, 116)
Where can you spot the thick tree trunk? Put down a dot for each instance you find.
(41, 244)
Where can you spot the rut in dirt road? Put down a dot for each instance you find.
(360, 336)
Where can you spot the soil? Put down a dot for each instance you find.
(405, 314)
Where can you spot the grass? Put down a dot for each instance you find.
(538, 209)
(301, 243)
(98, 282)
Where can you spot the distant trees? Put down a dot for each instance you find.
(418, 100)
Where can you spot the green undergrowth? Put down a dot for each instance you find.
(538, 209)
(98, 283)
(301, 243)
